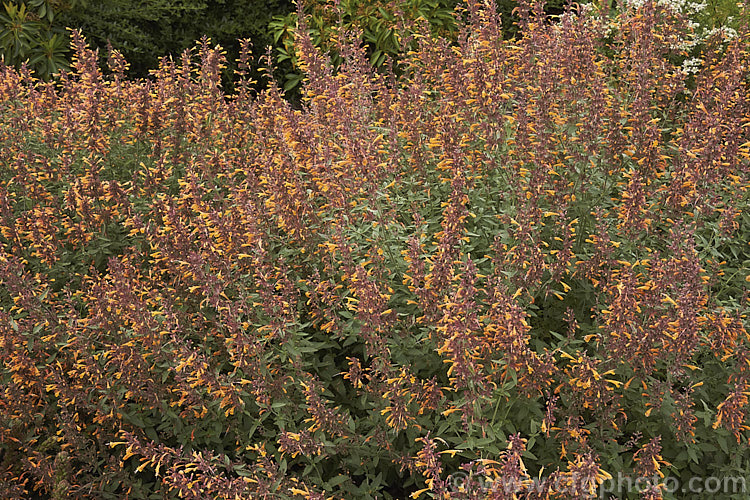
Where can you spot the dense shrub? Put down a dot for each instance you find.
(383, 26)
(144, 31)
(525, 259)
(29, 35)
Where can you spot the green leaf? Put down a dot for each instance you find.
(152, 435)
(340, 479)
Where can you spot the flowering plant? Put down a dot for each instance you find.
(524, 259)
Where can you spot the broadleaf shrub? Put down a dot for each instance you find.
(384, 27)
(520, 269)
(29, 36)
(146, 30)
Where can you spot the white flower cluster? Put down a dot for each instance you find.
(680, 6)
(692, 65)
(699, 34)
(690, 9)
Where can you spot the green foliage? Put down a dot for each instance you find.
(144, 31)
(713, 14)
(383, 25)
(28, 35)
